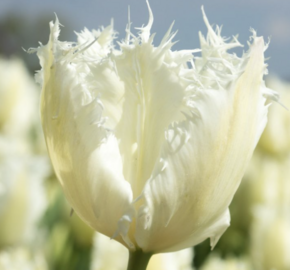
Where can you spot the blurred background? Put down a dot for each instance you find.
(36, 228)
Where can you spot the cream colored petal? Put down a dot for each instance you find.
(155, 88)
(203, 160)
(153, 97)
(84, 153)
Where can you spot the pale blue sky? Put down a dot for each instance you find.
(269, 17)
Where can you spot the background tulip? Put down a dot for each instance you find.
(105, 249)
(215, 262)
(275, 139)
(270, 238)
(22, 259)
(22, 170)
(18, 97)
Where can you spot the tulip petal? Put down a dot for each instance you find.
(83, 151)
(204, 156)
(153, 97)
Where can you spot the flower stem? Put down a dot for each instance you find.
(138, 260)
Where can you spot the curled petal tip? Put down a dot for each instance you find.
(56, 20)
(147, 28)
(210, 29)
(203, 14)
(151, 18)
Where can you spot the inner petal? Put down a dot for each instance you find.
(153, 98)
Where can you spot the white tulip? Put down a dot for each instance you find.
(150, 144)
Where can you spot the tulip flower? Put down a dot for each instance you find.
(150, 144)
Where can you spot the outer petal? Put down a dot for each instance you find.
(204, 159)
(84, 153)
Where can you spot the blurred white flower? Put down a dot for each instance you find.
(275, 138)
(181, 260)
(22, 259)
(22, 194)
(216, 263)
(270, 237)
(18, 98)
(109, 254)
(270, 230)
(22, 173)
(268, 180)
(147, 149)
